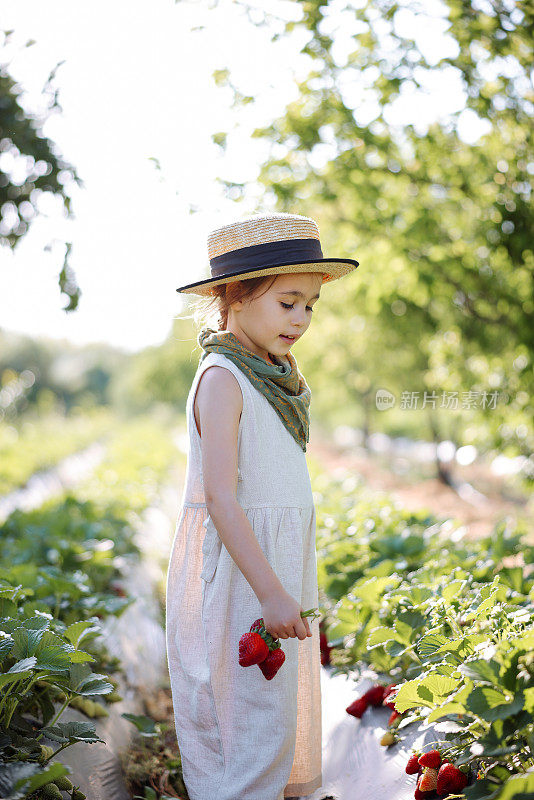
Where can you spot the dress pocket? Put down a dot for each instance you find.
(211, 549)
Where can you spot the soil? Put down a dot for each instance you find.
(479, 500)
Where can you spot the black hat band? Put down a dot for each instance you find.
(265, 254)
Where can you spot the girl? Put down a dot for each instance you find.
(244, 545)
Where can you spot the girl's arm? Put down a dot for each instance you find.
(220, 404)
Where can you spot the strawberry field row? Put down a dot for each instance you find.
(60, 578)
(39, 444)
(446, 622)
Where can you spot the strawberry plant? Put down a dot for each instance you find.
(61, 573)
(38, 444)
(451, 622)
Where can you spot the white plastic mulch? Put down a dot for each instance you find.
(355, 765)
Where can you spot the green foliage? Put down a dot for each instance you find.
(22, 136)
(40, 372)
(442, 301)
(159, 374)
(40, 444)
(61, 573)
(449, 620)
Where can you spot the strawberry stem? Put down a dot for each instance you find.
(311, 612)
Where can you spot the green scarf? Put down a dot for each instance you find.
(282, 384)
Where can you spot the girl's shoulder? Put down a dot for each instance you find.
(220, 360)
(228, 393)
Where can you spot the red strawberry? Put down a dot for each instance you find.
(375, 695)
(357, 707)
(259, 626)
(270, 665)
(428, 780)
(451, 780)
(419, 795)
(393, 716)
(431, 759)
(252, 649)
(324, 648)
(412, 765)
(389, 696)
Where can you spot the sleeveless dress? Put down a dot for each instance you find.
(241, 736)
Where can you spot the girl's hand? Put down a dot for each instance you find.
(282, 617)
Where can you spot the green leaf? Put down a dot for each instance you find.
(410, 695)
(482, 611)
(445, 710)
(6, 645)
(23, 666)
(491, 704)
(513, 577)
(519, 787)
(440, 685)
(71, 732)
(404, 631)
(26, 642)
(145, 725)
(85, 682)
(487, 671)
(53, 652)
(379, 636)
(453, 589)
(371, 590)
(94, 685)
(81, 630)
(428, 645)
(80, 656)
(52, 771)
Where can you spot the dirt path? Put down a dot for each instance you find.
(489, 500)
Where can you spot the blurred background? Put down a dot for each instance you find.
(129, 130)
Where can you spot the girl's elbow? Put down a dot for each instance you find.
(219, 498)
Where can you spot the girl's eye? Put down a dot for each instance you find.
(290, 305)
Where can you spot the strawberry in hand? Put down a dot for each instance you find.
(270, 665)
(259, 626)
(252, 649)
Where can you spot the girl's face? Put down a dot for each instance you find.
(259, 322)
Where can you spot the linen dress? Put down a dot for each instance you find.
(241, 736)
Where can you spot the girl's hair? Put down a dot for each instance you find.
(224, 294)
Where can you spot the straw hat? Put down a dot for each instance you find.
(267, 244)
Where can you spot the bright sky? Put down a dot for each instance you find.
(136, 84)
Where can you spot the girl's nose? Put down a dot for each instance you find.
(300, 319)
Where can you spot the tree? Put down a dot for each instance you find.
(46, 171)
(442, 228)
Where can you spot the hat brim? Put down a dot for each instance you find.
(333, 268)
